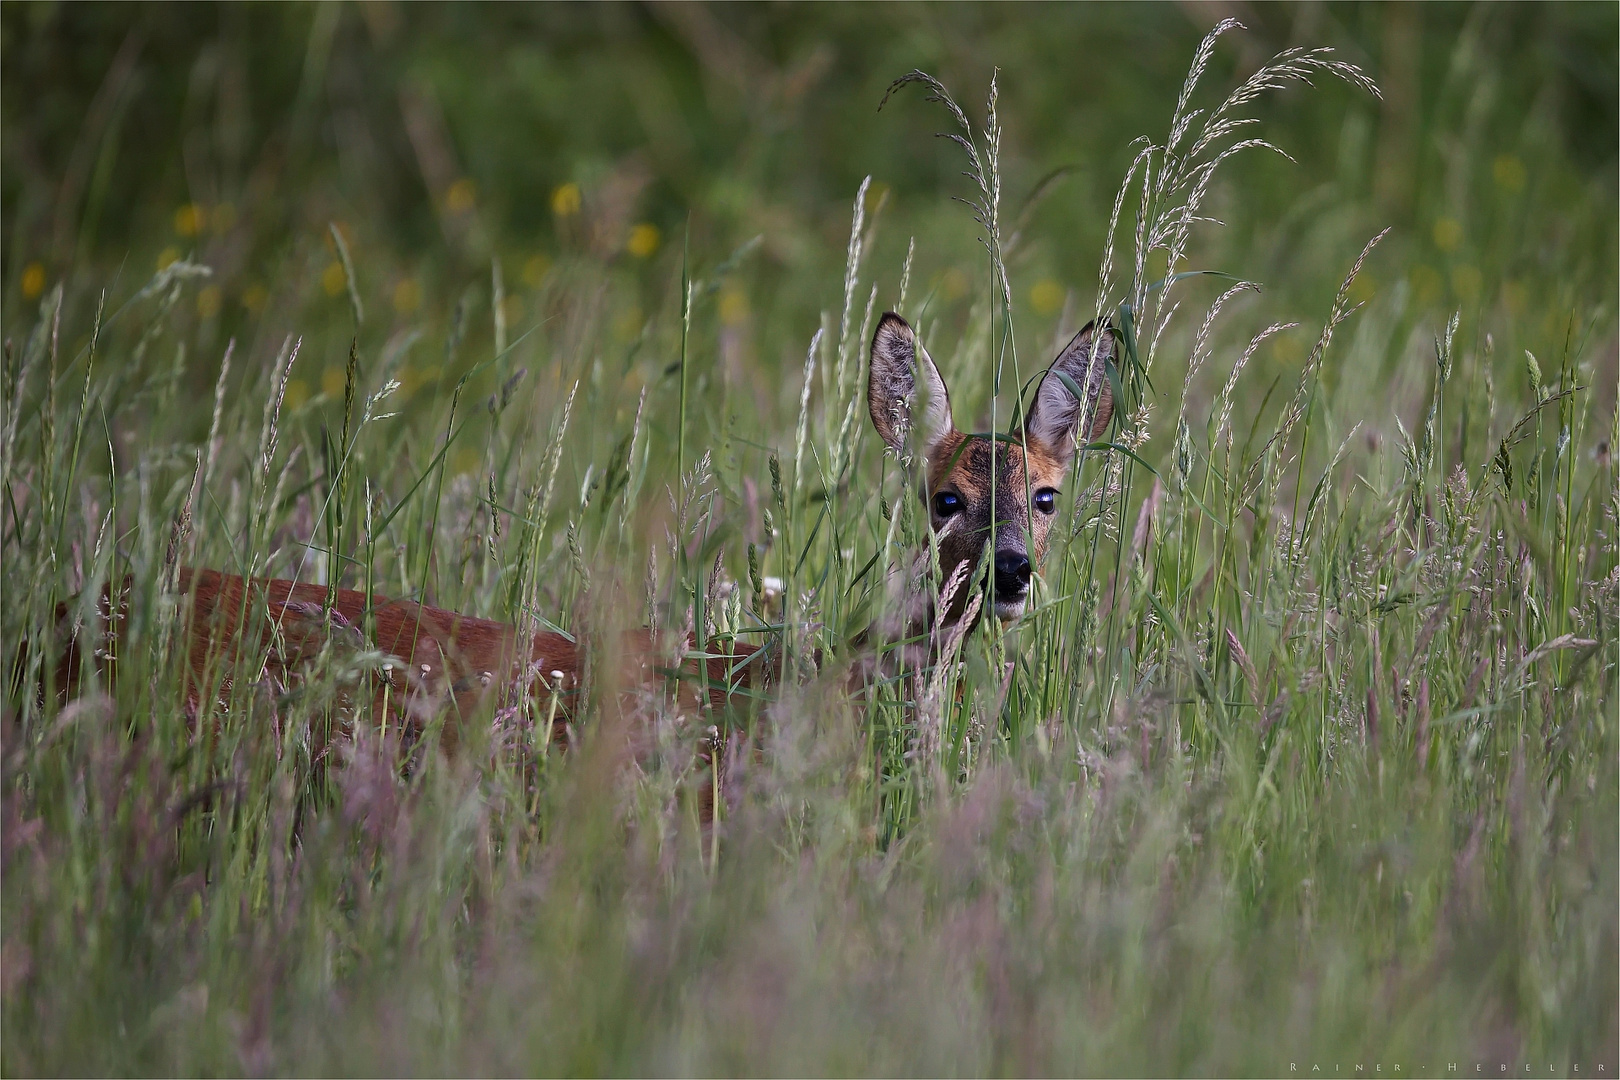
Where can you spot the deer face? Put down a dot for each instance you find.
(981, 490)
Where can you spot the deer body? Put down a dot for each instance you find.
(433, 661)
(436, 659)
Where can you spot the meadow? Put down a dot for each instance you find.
(1304, 755)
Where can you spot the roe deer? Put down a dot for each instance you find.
(436, 661)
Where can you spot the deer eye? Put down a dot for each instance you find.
(946, 503)
(1046, 500)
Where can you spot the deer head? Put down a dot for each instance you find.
(977, 487)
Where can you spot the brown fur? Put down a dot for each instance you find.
(437, 660)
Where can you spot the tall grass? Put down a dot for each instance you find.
(1305, 753)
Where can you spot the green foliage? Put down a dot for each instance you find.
(1305, 750)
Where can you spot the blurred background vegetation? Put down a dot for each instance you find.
(604, 141)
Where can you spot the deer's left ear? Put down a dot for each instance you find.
(1055, 417)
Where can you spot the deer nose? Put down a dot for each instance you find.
(1012, 573)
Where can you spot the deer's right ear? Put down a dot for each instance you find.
(904, 389)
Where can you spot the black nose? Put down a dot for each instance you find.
(1012, 574)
